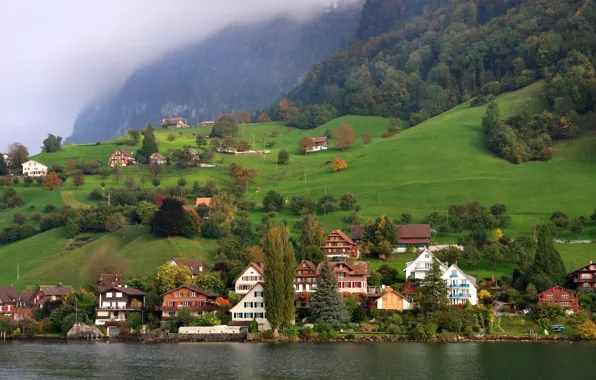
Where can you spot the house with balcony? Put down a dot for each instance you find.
(251, 307)
(462, 288)
(558, 295)
(249, 277)
(197, 299)
(318, 144)
(585, 278)
(108, 280)
(352, 276)
(339, 246)
(306, 277)
(116, 302)
(50, 293)
(419, 268)
(8, 300)
(121, 157)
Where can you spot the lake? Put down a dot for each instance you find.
(461, 361)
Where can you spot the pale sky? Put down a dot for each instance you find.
(58, 55)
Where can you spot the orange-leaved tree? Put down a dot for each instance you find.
(244, 116)
(52, 181)
(338, 164)
(344, 136)
(305, 144)
(264, 117)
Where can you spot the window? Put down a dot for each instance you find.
(347, 284)
(109, 295)
(550, 296)
(358, 284)
(259, 304)
(248, 305)
(118, 295)
(171, 303)
(565, 304)
(586, 275)
(193, 294)
(186, 303)
(259, 315)
(427, 256)
(565, 296)
(178, 294)
(259, 294)
(172, 313)
(341, 275)
(299, 272)
(249, 315)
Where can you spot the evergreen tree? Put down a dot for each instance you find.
(149, 145)
(279, 275)
(433, 290)
(3, 166)
(327, 306)
(547, 262)
(312, 237)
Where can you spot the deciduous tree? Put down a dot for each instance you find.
(264, 117)
(244, 117)
(51, 181)
(201, 141)
(283, 157)
(51, 144)
(338, 165)
(343, 136)
(312, 237)
(273, 201)
(225, 125)
(366, 137)
(305, 144)
(116, 222)
(172, 276)
(134, 135)
(79, 179)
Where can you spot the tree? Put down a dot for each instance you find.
(338, 164)
(547, 261)
(312, 237)
(225, 125)
(347, 201)
(229, 143)
(215, 143)
(79, 179)
(388, 273)
(366, 137)
(172, 276)
(149, 145)
(201, 141)
(19, 218)
(52, 181)
(305, 144)
(130, 182)
(326, 304)
(182, 182)
(405, 218)
(264, 117)
(70, 165)
(576, 226)
(116, 222)
(273, 201)
(283, 157)
(171, 137)
(155, 168)
(206, 156)
(243, 146)
(433, 290)
(494, 254)
(343, 136)
(279, 276)
(134, 135)
(244, 117)
(19, 154)
(117, 172)
(172, 219)
(327, 203)
(51, 144)
(156, 182)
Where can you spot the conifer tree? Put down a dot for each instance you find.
(149, 145)
(547, 262)
(327, 306)
(433, 290)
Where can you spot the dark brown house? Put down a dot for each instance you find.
(195, 266)
(585, 278)
(339, 245)
(116, 302)
(413, 235)
(8, 300)
(108, 280)
(560, 296)
(197, 299)
(50, 293)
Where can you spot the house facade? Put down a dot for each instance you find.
(33, 168)
(195, 266)
(585, 278)
(319, 143)
(174, 123)
(306, 277)
(462, 288)
(419, 268)
(50, 293)
(560, 296)
(9, 298)
(25, 307)
(413, 236)
(121, 157)
(197, 299)
(352, 276)
(108, 280)
(339, 245)
(391, 300)
(251, 307)
(116, 302)
(248, 278)
(157, 158)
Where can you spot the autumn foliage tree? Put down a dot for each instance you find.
(264, 117)
(338, 164)
(343, 136)
(366, 137)
(79, 179)
(305, 144)
(52, 181)
(244, 116)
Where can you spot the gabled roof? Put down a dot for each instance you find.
(410, 232)
(357, 231)
(125, 290)
(26, 298)
(343, 236)
(173, 121)
(110, 279)
(255, 264)
(355, 267)
(557, 287)
(124, 152)
(205, 292)
(55, 290)
(195, 266)
(584, 268)
(319, 139)
(260, 283)
(206, 201)
(468, 277)
(425, 251)
(388, 291)
(157, 155)
(8, 294)
(309, 264)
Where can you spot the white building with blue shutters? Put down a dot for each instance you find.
(461, 287)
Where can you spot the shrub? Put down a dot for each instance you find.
(267, 334)
(350, 336)
(49, 208)
(586, 330)
(95, 195)
(291, 332)
(325, 330)
(307, 333)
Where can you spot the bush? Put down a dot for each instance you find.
(424, 331)
(307, 333)
(49, 208)
(547, 311)
(350, 336)
(291, 332)
(95, 195)
(325, 330)
(273, 201)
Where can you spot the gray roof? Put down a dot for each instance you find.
(8, 294)
(55, 290)
(122, 289)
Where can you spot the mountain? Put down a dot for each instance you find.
(244, 67)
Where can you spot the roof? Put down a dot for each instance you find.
(389, 290)
(123, 151)
(240, 303)
(195, 266)
(206, 201)
(319, 139)
(468, 277)
(125, 290)
(357, 231)
(173, 121)
(356, 267)
(559, 287)
(585, 267)
(55, 290)
(205, 292)
(343, 236)
(309, 264)
(413, 231)
(157, 155)
(8, 294)
(26, 298)
(110, 279)
(239, 323)
(33, 161)
(255, 264)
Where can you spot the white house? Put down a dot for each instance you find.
(419, 268)
(251, 307)
(461, 287)
(34, 169)
(248, 278)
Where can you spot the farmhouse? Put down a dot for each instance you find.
(462, 288)
(419, 268)
(585, 278)
(390, 300)
(197, 299)
(319, 143)
(50, 293)
(195, 266)
(34, 169)
(251, 307)
(352, 276)
(122, 157)
(205, 201)
(157, 158)
(339, 245)
(560, 296)
(413, 235)
(116, 302)
(248, 278)
(174, 123)
(8, 300)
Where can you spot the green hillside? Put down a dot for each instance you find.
(423, 169)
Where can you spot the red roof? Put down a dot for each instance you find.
(319, 139)
(343, 236)
(124, 152)
(414, 241)
(413, 233)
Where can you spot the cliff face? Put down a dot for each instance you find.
(239, 68)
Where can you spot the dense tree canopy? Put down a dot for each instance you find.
(51, 144)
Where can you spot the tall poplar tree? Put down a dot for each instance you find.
(326, 304)
(548, 268)
(149, 145)
(312, 237)
(279, 276)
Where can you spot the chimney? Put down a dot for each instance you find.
(59, 284)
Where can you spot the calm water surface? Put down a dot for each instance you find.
(302, 361)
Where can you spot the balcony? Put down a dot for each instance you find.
(453, 276)
(458, 285)
(117, 308)
(460, 295)
(584, 280)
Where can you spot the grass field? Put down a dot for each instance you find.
(423, 169)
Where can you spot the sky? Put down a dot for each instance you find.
(59, 55)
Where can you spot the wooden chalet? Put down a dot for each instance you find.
(563, 297)
(413, 235)
(174, 123)
(197, 299)
(122, 157)
(352, 276)
(339, 245)
(585, 278)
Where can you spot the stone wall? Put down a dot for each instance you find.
(180, 338)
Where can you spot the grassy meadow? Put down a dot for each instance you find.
(422, 169)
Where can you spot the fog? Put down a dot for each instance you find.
(59, 55)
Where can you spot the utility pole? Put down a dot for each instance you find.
(109, 197)
(325, 188)
(18, 271)
(379, 202)
(305, 174)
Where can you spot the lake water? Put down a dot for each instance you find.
(330, 361)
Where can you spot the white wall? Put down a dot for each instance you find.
(242, 286)
(239, 311)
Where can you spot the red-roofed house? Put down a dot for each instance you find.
(585, 278)
(319, 143)
(352, 276)
(8, 300)
(560, 296)
(306, 277)
(108, 280)
(123, 157)
(338, 244)
(413, 235)
(197, 299)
